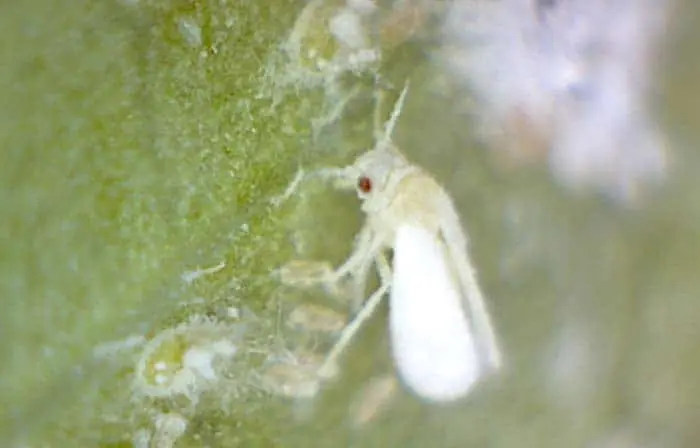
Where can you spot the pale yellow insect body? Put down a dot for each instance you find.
(441, 334)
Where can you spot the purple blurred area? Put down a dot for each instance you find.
(567, 82)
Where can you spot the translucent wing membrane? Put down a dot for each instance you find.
(472, 297)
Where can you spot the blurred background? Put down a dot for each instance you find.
(144, 140)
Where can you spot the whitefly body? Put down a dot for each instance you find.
(442, 340)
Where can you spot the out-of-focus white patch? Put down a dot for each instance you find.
(327, 42)
(191, 32)
(184, 360)
(169, 428)
(346, 26)
(193, 301)
(578, 74)
(630, 437)
(141, 438)
(363, 7)
(573, 365)
(312, 61)
(233, 312)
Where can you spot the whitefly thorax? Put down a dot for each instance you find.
(401, 194)
(404, 194)
(435, 297)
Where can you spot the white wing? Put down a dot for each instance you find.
(432, 341)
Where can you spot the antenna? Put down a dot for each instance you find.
(384, 137)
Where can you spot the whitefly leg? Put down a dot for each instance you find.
(330, 364)
(357, 266)
(359, 287)
(310, 273)
(365, 248)
(306, 273)
(293, 186)
(341, 178)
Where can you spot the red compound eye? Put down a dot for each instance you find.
(364, 183)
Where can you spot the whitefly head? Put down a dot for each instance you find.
(374, 170)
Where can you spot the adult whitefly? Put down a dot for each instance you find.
(441, 347)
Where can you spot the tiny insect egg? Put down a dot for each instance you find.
(304, 272)
(315, 318)
(291, 380)
(373, 399)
